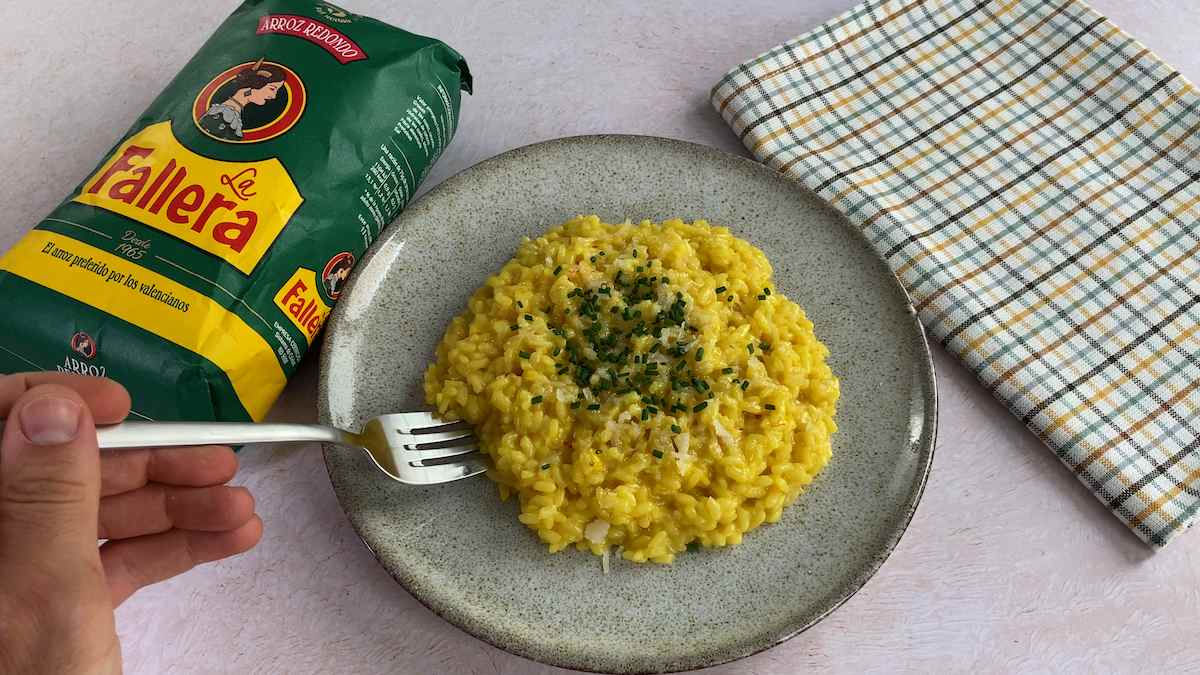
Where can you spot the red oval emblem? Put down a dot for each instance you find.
(84, 345)
(250, 102)
(336, 271)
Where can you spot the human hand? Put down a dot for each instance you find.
(162, 512)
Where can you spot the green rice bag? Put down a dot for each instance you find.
(199, 260)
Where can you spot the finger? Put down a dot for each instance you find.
(158, 508)
(131, 564)
(108, 400)
(49, 478)
(199, 466)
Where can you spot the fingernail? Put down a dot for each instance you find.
(50, 421)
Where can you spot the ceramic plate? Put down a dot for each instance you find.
(462, 552)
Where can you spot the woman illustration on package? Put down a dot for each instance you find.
(336, 272)
(253, 86)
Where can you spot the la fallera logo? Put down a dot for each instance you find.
(233, 210)
(300, 302)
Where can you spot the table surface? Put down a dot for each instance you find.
(1021, 572)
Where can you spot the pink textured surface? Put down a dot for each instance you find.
(1009, 565)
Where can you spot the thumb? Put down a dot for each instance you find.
(49, 478)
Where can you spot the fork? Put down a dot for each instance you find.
(411, 447)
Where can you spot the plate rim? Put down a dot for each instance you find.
(924, 447)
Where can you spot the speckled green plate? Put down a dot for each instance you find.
(462, 552)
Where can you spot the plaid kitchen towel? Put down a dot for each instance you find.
(1030, 173)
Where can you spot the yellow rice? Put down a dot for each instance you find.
(627, 454)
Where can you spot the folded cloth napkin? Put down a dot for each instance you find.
(1030, 173)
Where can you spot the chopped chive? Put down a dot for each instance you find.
(761, 296)
(666, 280)
(594, 406)
(535, 400)
(721, 289)
(529, 317)
(729, 299)
(727, 370)
(700, 354)
(523, 355)
(653, 410)
(676, 428)
(558, 270)
(603, 253)
(693, 547)
(765, 346)
(750, 348)
(679, 365)
(769, 406)
(675, 407)
(545, 466)
(520, 304)
(639, 269)
(635, 252)
(699, 406)
(645, 414)
(658, 454)
(745, 384)
(556, 352)
(593, 259)
(597, 451)
(575, 405)
(766, 291)
(513, 327)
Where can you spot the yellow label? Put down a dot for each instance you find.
(155, 303)
(299, 301)
(234, 210)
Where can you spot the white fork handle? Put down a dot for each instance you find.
(164, 434)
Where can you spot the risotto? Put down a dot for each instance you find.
(640, 387)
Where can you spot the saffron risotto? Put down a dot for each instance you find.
(639, 387)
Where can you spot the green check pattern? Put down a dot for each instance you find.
(1030, 173)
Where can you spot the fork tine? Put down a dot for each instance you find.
(421, 423)
(423, 456)
(419, 441)
(441, 427)
(444, 473)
